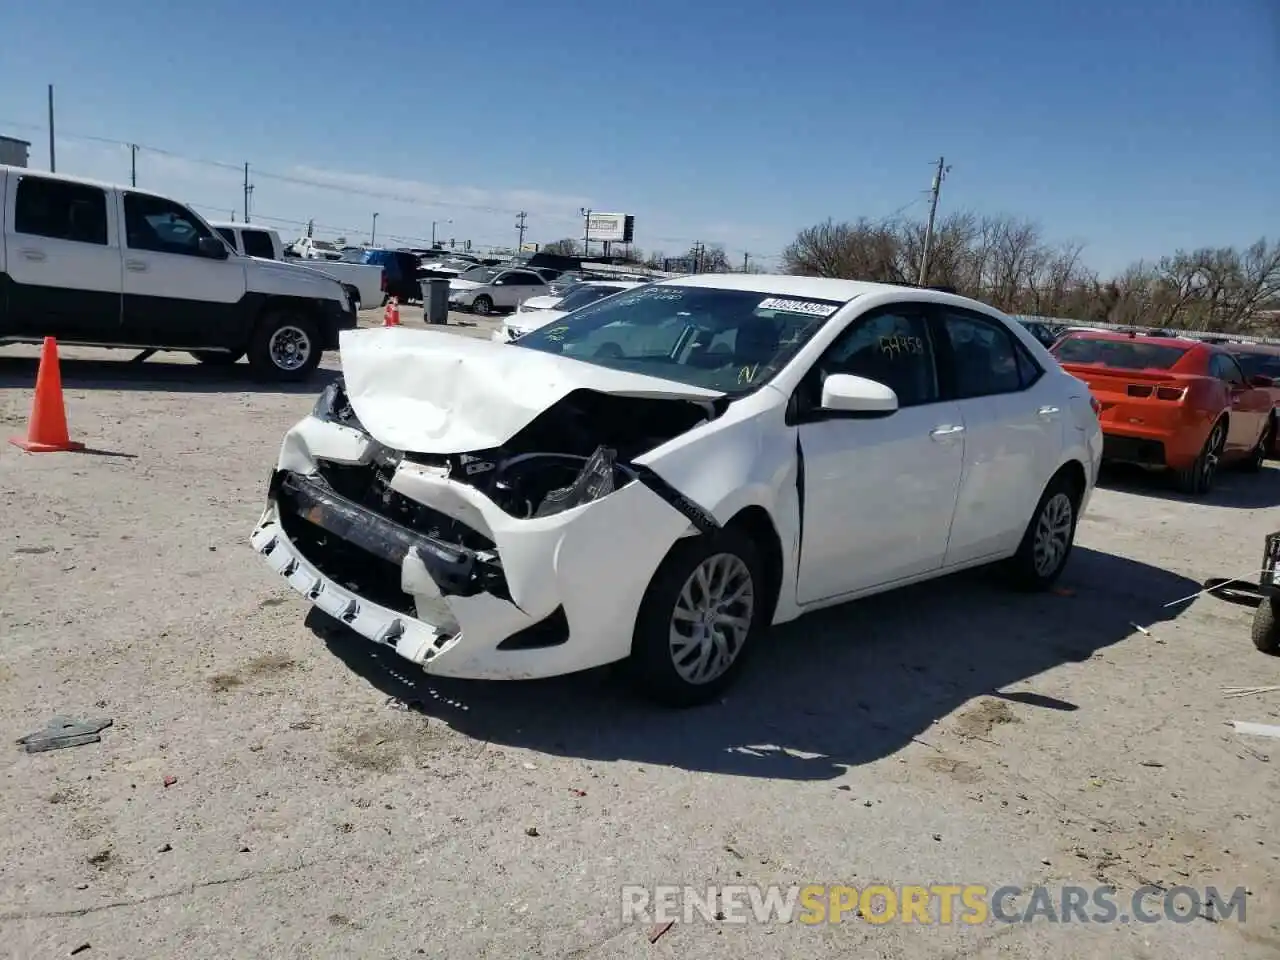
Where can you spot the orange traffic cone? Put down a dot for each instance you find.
(391, 317)
(47, 431)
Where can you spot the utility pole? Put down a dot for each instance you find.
(133, 164)
(520, 219)
(248, 192)
(53, 163)
(746, 257)
(938, 177)
(373, 234)
(586, 231)
(311, 227)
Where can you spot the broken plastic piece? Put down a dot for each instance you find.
(64, 732)
(594, 480)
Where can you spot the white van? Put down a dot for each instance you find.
(112, 266)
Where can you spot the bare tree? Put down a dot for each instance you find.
(563, 248)
(1005, 261)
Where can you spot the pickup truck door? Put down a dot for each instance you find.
(174, 295)
(62, 268)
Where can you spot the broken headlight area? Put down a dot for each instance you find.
(364, 548)
(577, 451)
(332, 406)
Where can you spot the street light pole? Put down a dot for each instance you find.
(433, 230)
(586, 231)
(373, 234)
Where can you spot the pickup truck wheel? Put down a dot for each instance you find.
(285, 347)
(217, 358)
(482, 305)
(354, 296)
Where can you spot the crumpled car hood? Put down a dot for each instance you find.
(430, 392)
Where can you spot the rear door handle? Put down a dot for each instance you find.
(31, 254)
(137, 266)
(941, 433)
(1048, 412)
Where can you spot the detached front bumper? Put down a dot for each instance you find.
(553, 595)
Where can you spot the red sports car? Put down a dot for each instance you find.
(1168, 403)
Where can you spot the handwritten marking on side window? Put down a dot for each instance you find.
(900, 345)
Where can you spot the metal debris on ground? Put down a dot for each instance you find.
(1141, 629)
(1233, 692)
(64, 732)
(659, 930)
(1257, 729)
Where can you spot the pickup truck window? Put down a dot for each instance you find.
(60, 211)
(257, 243)
(228, 235)
(153, 223)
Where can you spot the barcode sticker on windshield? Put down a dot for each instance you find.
(809, 307)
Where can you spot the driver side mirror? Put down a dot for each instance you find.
(213, 248)
(1261, 381)
(843, 393)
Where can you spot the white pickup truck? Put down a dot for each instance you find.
(364, 282)
(112, 266)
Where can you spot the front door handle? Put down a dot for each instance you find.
(1048, 412)
(941, 433)
(37, 255)
(137, 266)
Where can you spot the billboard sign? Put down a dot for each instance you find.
(610, 226)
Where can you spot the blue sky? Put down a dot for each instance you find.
(1136, 126)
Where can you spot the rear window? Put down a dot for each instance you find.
(1122, 354)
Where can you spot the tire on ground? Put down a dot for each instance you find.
(1036, 565)
(651, 666)
(269, 356)
(1266, 630)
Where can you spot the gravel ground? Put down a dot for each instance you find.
(953, 733)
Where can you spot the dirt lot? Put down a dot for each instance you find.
(948, 734)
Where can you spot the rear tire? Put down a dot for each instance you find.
(354, 296)
(217, 358)
(285, 347)
(1046, 545)
(1197, 479)
(704, 606)
(1266, 631)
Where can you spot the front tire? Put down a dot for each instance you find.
(285, 347)
(1046, 545)
(703, 608)
(482, 305)
(1197, 479)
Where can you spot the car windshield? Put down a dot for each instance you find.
(324, 245)
(727, 340)
(1121, 354)
(584, 294)
(1259, 364)
(479, 274)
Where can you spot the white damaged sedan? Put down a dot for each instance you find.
(666, 473)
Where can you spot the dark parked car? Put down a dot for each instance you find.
(1046, 333)
(400, 272)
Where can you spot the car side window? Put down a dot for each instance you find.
(525, 279)
(1224, 367)
(890, 346)
(60, 211)
(257, 243)
(986, 359)
(228, 235)
(161, 226)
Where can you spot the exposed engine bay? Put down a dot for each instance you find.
(576, 451)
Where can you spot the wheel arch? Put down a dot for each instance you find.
(754, 522)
